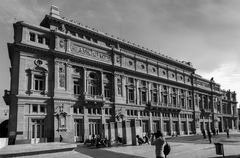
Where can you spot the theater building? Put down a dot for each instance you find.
(69, 79)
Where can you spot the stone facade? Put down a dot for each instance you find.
(71, 80)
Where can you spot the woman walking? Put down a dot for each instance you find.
(159, 144)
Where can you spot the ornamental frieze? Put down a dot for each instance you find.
(90, 53)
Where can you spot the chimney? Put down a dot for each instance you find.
(54, 12)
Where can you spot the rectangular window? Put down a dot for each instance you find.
(190, 103)
(32, 36)
(35, 108)
(39, 82)
(174, 100)
(40, 39)
(75, 110)
(47, 41)
(119, 85)
(183, 103)
(131, 95)
(144, 97)
(42, 108)
(99, 111)
(107, 93)
(165, 99)
(154, 97)
(106, 111)
(76, 86)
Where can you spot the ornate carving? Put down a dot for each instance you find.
(62, 28)
(61, 43)
(90, 53)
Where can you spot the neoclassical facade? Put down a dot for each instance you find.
(69, 79)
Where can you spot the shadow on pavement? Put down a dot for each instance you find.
(229, 156)
(98, 153)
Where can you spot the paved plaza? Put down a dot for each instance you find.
(182, 147)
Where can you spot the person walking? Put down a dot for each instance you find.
(209, 136)
(227, 130)
(159, 144)
(204, 134)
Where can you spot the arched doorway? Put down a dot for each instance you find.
(4, 129)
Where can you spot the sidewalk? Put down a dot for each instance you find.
(35, 149)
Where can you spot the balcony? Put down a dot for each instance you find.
(94, 98)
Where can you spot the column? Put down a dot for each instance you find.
(85, 123)
(170, 123)
(148, 92)
(179, 124)
(177, 97)
(137, 93)
(168, 96)
(103, 122)
(202, 103)
(124, 87)
(56, 81)
(233, 123)
(68, 78)
(84, 81)
(115, 84)
(161, 122)
(150, 122)
(209, 123)
(102, 84)
(158, 94)
(46, 83)
(187, 124)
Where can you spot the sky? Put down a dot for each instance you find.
(204, 32)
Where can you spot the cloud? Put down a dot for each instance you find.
(228, 75)
(203, 32)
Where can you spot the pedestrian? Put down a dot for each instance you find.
(214, 131)
(204, 134)
(60, 138)
(140, 140)
(209, 136)
(159, 144)
(146, 139)
(227, 130)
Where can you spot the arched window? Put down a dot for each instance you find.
(93, 84)
(107, 86)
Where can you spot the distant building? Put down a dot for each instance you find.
(69, 79)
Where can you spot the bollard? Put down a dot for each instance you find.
(219, 149)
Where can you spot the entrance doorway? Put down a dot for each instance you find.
(38, 131)
(94, 127)
(78, 130)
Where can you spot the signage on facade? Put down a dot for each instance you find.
(90, 53)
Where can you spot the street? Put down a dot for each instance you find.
(181, 147)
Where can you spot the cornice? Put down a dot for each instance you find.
(118, 40)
